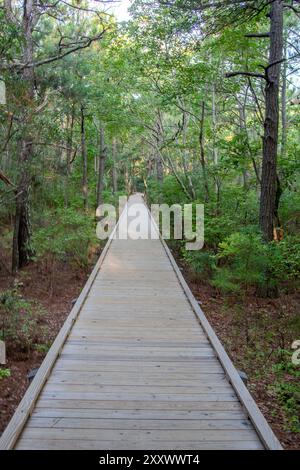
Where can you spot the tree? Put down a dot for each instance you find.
(28, 18)
(270, 184)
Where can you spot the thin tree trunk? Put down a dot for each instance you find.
(283, 104)
(101, 167)
(127, 180)
(180, 182)
(69, 142)
(202, 152)
(114, 167)
(185, 156)
(269, 188)
(158, 160)
(214, 128)
(84, 161)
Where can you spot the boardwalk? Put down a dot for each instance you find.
(137, 366)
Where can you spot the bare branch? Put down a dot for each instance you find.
(257, 35)
(5, 179)
(79, 47)
(294, 9)
(246, 74)
(259, 110)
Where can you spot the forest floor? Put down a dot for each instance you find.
(246, 329)
(253, 330)
(33, 284)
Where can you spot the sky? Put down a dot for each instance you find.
(120, 9)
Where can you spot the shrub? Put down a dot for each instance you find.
(286, 258)
(202, 262)
(67, 234)
(4, 373)
(245, 262)
(287, 388)
(19, 319)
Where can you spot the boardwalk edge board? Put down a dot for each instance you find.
(258, 420)
(26, 405)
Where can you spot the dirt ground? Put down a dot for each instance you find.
(57, 303)
(244, 329)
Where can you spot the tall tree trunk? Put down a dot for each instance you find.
(214, 129)
(127, 178)
(159, 168)
(283, 103)
(269, 187)
(202, 152)
(21, 249)
(84, 161)
(158, 160)
(69, 142)
(114, 167)
(185, 158)
(101, 167)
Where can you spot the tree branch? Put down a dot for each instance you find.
(294, 9)
(257, 35)
(5, 179)
(48, 60)
(246, 74)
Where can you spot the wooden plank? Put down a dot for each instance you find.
(136, 395)
(83, 345)
(135, 341)
(138, 389)
(77, 444)
(138, 379)
(207, 366)
(137, 414)
(52, 402)
(142, 436)
(141, 424)
(122, 357)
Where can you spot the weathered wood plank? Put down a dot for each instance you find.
(138, 414)
(50, 403)
(208, 366)
(142, 436)
(77, 444)
(140, 423)
(138, 389)
(135, 395)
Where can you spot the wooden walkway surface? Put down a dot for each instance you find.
(137, 366)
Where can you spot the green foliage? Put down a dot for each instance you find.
(42, 348)
(19, 320)
(67, 234)
(4, 373)
(244, 260)
(169, 192)
(202, 262)
(286, 258)
(287, 389)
